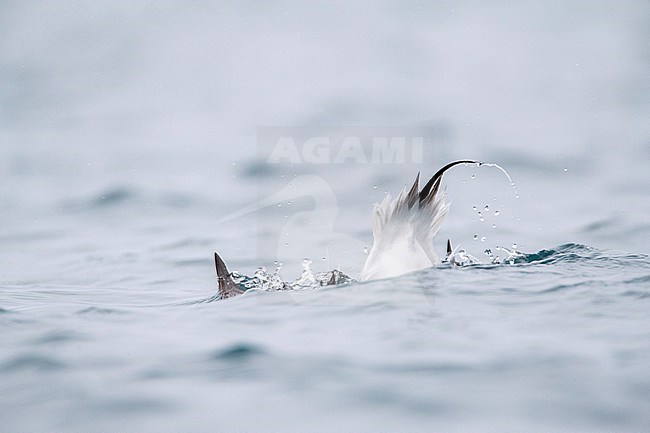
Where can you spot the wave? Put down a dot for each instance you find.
(32, 362)
(575, 253)
(118, 196)
(563, 268)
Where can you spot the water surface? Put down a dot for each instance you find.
(128, 131)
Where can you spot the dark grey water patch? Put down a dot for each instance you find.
(99, 311)
(571, 253)
(32, 362)
(238, 352)
(101, 259)
(541, 256)
(133, 405)
(10, 318)
(239, 362)
(640, 389)
(392, 396)
(208, 300)
(567, 253)
(192, 262)
(164, 282)
(638, 280)
(581, 410)
(16, 320)
(618, 260)
(567, 287)
(258, 169)
(111, 197)
(57, 337)
(426, 368)
(644, 258)
(604, 415)
(599, 225)
(158, 373)
(582, 254)
(375, 307)
(638, 294)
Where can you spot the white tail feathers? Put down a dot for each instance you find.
(403, 231)
(404, 228)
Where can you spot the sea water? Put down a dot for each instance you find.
(558, 341)
(129, 131)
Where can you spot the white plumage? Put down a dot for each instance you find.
(403, 229)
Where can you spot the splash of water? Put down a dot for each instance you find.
(462, 258)
(491, 164)
(513, 254)
(308, 279)
(275, 281)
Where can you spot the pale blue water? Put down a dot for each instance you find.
(128, 132)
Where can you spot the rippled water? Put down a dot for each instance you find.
(131, 133)
(559, 342)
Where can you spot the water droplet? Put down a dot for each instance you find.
(473, 176)
(374, 187)
(514, 246)
(483, 239)
(517, 195)
(496, 213)
(474, 208)
(475, 237)
(494, 226)
(488, 252)
(279, 204)
(288, 203)
(487, 208)
(365, 250)
(286, 244)
(566, 169)
(324, 259)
